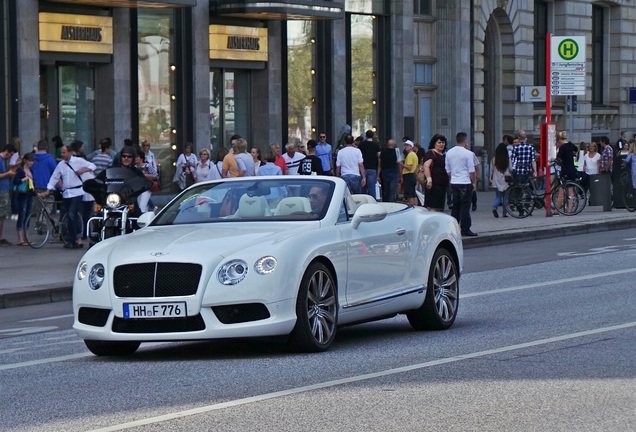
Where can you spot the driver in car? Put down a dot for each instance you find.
(317, 197)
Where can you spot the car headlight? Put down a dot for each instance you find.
(96, 276)
(265, 265)
(232, 272)
(82, 270)
(113, 200)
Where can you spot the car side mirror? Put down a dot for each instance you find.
(368, 213)
(145, 219)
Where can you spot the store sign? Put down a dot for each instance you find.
(238, 43)
(76, 33)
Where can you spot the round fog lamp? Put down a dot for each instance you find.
(82, 270)
(113, 200)
(265, 265)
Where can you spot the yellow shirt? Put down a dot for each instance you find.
(411, 159)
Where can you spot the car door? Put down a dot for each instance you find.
(378, 257)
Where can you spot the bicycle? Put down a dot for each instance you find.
(629, 193)
(42, 224)
(567, 197)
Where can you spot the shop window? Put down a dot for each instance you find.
(157, 100)
(301, 77)
(363, 74)
(423, 73)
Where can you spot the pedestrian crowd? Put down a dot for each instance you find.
(62, 177)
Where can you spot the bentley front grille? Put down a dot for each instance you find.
(157, 279)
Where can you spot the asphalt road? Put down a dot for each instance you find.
(545, 340)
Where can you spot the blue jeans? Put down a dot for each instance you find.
(353, 182)
(499, 199)
(462, 197)
(369, 187)
(25, 203)
(73, 208)
(390, 178)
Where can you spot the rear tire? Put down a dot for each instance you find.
(108, 348)
(64, 228)
(440, 305)
(629, 198)
(316, 310)
(519, 201)
(572, 203)
(38, 230)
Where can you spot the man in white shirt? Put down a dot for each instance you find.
(460, 166)
(292, 159)
(350, 166)
(69, 171)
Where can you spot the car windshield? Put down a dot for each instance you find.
(288, 198)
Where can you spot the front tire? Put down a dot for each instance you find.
(316, 310)
(108, 348)
(38, 230)
(440, 305)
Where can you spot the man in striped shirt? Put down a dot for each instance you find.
(523, 158)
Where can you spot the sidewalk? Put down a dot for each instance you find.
(34, 276)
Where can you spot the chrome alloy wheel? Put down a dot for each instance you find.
(445, 288)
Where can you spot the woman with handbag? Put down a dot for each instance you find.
(187, 163)
(435, 179)
(23, 187)
(499, 174)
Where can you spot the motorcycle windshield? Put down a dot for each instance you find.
(125, 182)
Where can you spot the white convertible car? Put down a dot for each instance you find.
(262, 256)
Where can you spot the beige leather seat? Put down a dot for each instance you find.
(252, 206)
(290, 205)
(363, 199)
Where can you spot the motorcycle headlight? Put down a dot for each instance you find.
(265, 265)
(82, 270)
(232, 272)
(96, 276)
(113, 200)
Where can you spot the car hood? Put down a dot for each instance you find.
(192, 243)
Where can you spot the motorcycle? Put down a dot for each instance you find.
(115, 191)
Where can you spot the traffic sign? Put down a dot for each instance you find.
(567, 65)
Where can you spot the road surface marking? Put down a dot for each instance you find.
(358, 378)
(47, 318)
(547, 283)
(44, 361)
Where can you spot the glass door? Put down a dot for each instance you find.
(76, 90)
(229, 106)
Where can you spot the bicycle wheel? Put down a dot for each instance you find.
(519, 201)
(64, 228)
(569, 199)
(629, 198)
(38, 230)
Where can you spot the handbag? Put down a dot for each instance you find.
(421, 177)
(24, 187)
(155, 186)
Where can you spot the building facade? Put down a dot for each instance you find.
(200, 71)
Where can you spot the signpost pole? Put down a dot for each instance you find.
(548, 115)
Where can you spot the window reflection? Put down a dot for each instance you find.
(363, 57)
(154, 60)
(300, 64)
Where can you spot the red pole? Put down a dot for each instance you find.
(548, 115)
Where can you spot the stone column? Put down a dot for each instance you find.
(201, 72)
(402, 66)
(267, 94)
(338, 79)
(28, 72)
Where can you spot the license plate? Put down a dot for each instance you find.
(155, 310)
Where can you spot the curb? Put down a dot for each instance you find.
(546, 233)
(35, 296)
